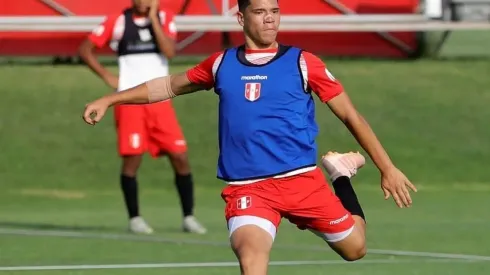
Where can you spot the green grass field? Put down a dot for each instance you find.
(61, 205)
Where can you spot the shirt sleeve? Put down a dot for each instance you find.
(203, 73)
(168, 24)
(320, 80)
(102, 34)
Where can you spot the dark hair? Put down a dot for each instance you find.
(243, 4)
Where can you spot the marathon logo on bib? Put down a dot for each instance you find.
(252, 91)
(244, 202)
(253, 77)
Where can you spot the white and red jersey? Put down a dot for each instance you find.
(132, 38)
(316, 78)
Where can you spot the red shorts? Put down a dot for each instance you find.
(305, 200)
(149, 128)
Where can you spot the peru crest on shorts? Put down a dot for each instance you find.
(252, 91)
(244, 202)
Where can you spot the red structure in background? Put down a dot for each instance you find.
(328, 43)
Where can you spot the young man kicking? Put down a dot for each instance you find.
(267, 131)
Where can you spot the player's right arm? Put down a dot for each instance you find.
(99, 37)
(159, 89)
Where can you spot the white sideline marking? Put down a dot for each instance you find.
(429, 255)
(127, 237)
(208, 264)
(107, 236)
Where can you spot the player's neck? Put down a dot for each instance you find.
(137, 14)
(251, 47)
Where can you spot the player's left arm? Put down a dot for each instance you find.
(165, 30)
(344, 109)
(331, 92)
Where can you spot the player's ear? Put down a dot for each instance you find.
(240, 18)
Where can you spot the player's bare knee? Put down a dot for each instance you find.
(350, 244)
(180, 163)
(354, 253)
(353, 250)
(130, 165)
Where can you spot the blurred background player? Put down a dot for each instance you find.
(143, 37)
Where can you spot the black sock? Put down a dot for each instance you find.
(129, 186)
(345, 192)
(185, 187)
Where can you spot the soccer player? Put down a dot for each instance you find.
(267, 145)
(143, 37)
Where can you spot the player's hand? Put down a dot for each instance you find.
(112, 81)
(395, 184)
(154, 9)
(95, 110)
